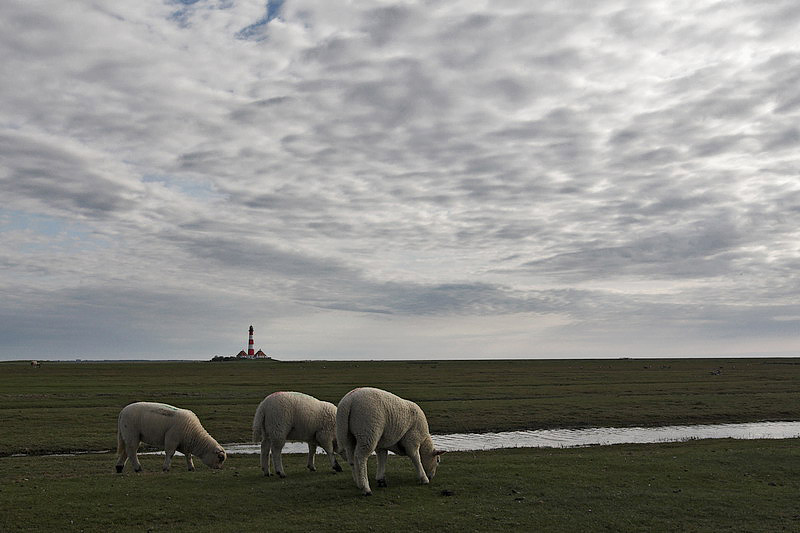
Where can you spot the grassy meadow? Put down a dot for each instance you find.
(713, 486)
(63, 407)
(720, 485)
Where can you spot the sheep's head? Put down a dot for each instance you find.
(214, 457)
(430, 458)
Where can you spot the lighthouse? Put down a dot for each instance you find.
(250, 352)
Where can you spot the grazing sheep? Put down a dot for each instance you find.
(36, 364)
(369, 419)
(294, 416)
(160, 424)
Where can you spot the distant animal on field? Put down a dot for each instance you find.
(36, 364)
(294, 416)
(369, 419)
(174, 429)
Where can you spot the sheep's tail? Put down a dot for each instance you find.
(343, 435)
(259, 431)
(120, 443)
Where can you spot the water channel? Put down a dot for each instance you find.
(563, 438)
(569, 438)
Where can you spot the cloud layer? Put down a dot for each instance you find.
(405, 179)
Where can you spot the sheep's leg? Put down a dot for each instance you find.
(380, 476)
(265, 456)
(350, 450)
(171, 443)
(353, 470)
(360, 473)
(189, 462)
(351, 454)
(130, 450)
(417, 462)
(312, 451)
(169, 451)
(330, 452)
(277, 460)
(123, 457)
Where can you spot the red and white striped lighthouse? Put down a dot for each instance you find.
(250, 351)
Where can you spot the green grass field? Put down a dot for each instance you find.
(82, 400)
(696, 486)
(721, 485)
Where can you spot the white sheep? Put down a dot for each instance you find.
(369, 419)
(297, 417)
(159, 424)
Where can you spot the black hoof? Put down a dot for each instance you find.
(119, 469)
(312, 468)
(137, 469)
(382, 483)
(282, 475)
(368, 494)
(337, 467)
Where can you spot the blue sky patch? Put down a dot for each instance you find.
(59, 234)
(273, 11)
(193, 188)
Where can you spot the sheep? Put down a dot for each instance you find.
(160, 424)
(298, 417)
(369, 419)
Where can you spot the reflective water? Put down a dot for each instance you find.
(567, 438)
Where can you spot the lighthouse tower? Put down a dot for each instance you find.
(250, 352)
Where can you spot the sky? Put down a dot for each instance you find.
(399, 180)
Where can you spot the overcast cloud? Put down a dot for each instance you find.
(399, 179)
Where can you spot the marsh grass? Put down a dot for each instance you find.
(715, 486)
(719, 485)
(73, 406)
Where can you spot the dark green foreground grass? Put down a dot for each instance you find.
(721, 485)
(74, 406)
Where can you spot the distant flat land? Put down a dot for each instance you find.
(65, 406)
